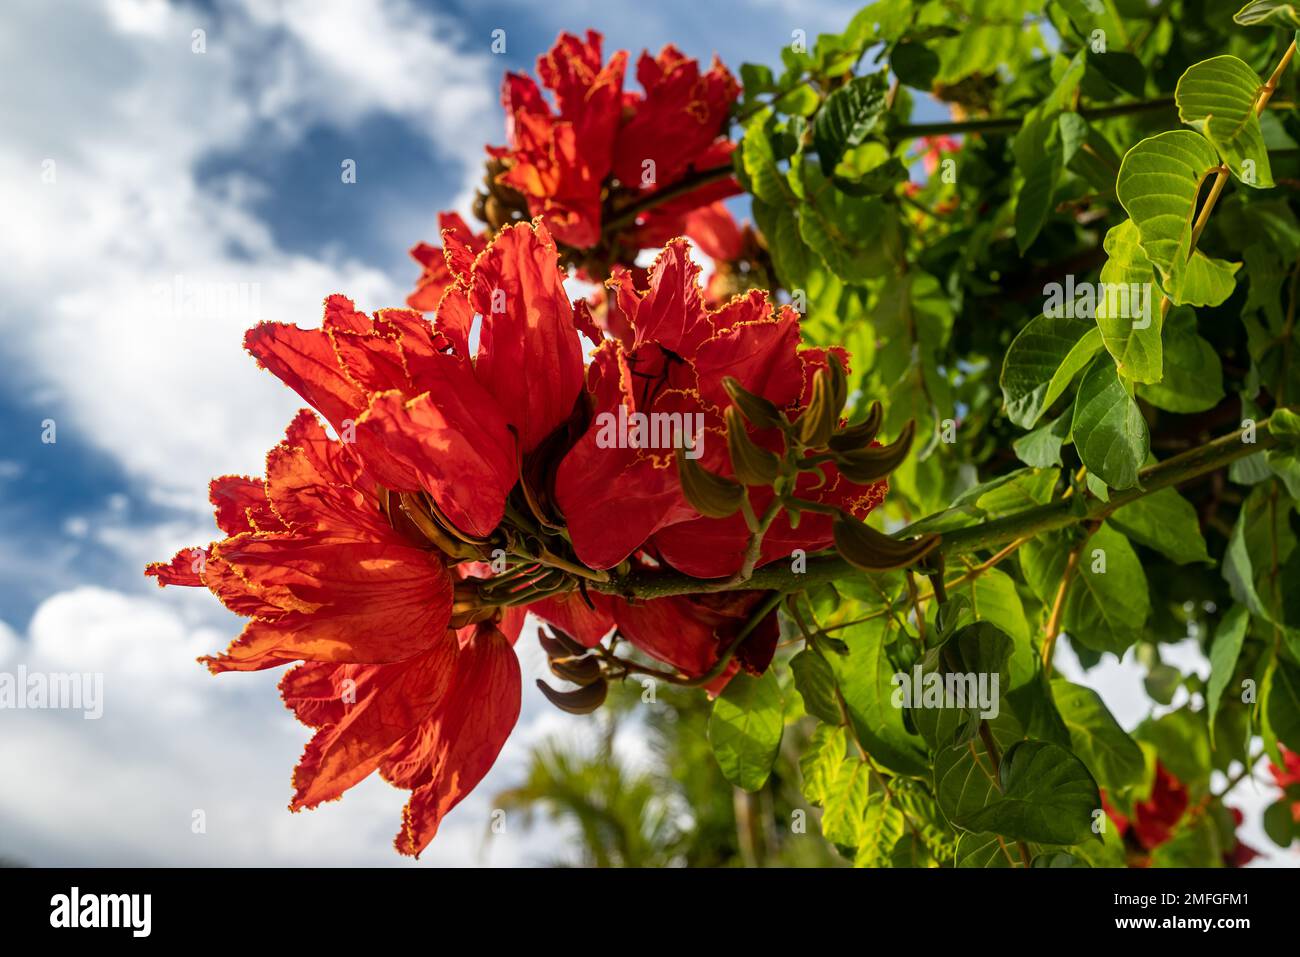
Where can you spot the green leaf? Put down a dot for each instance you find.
(756, 78)
(1107, 603)
(1193, 374)
(1217, 96)
(745, 729)
(986, 850)
(1041, 362)
(994, 599)
(1279, 823)
(1089, 15)
(766, 181)
(1041, 448)
(1195, 844)
(1272, 12)
(979, 651)
(1109, 431)
(964, 781)
(1165, 521)
(854, 236)
(1126, 312)
(1162, 682)
(1011, 492)
(847, 795)
(915, 64)
(1048, 138)
(1182, 740)
(858, 813)
(820, 763)
(1114, 758)
(1225, 651)
(1284, 704)
(1047, 795)
(792, 259)
(1261, 542)
(1059, 859)
(815, 681)
(847, 116)
(1158, 184)
(864, 679)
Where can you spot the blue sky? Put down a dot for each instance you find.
(215, 167)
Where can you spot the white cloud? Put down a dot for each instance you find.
(120, 112)
(173, 740)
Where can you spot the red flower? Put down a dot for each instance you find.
(1288, 775)
(436, 277)
(670, 361)
(735, 252)
(338, 569)
(1154, 819)
(426, 414)
(714, 230)
(932, 148)
(562, 158)
(331, 574)
(1241, 853)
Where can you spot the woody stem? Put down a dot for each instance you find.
(1062, 513)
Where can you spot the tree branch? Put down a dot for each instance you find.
(1063, 513)
(1000, 124)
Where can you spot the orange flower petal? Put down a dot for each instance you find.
(305, 361)
(382, 705)
(461, 740)
(450, 442)
(360, 602)
(529, 356)
(241, 505)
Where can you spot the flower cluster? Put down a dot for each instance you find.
(468, 478)
(609, 171)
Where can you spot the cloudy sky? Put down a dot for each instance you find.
(132, 165)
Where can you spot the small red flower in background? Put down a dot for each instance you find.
(1288, 775)
(931, 150)
(1241, 853)
(1154, 819)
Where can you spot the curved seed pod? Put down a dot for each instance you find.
(875, 462)
(582, 701)
(564, 646)
(579, 671)
(873, 551)
(820, 418)
(839, 382)
(711, 495)
(549, 645)
(858, 436)
(752, 464)
(762, 413)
